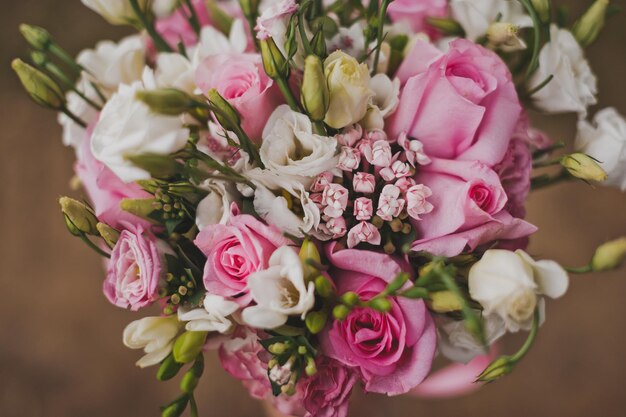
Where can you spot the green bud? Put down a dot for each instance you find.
(542, 7)
(71, 227)
(188, 383)
(168, 101)
(588, 27)
(309, 251)
(139, 207)
(445, 302)
(397, 283)
(278, 348)
(41, 88)
(302, 350)
(609, 255)
(159, 166)
(584, 167)
(175, 408)
(227, 116)
(316, 321)
(340, 312)
(37, 37)
(447, 26)
(169, 369)
(188, 346)
(274, 62)
(350, 299)
(416, 293)
(109, 234)
(381, 304)
(324, 287)
(497, 369)
(311, 368)
(81, 216)
(318, 43)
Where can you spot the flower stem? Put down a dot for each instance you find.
(580, 270)
(159, 42)
(532, 336)
(289, 96)
(381, 26)
(94, 247)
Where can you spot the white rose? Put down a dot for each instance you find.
(573, 87)
(112, 64)
(605, 140)
(291, 149)
(459, 345)
(280, 210)
(508, 284)
(116, 12)
(350, 92)
(127, 127)
(215, 207)
(384, 103)
(155, 335)
(475, 16)
(212, 318)
(279, 291)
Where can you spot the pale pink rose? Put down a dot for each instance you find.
(322, 181)
(461, 105)
(364, 183)
(363, 208)
(415, 12)
(350, 136)
(363, 232)
(234, 251)
(134, 269)
(349, 159)
(274, 18)
(469, 209)
(106, 190)
(416, 203)
(377, 153)
(327, 393)
(413, 151)
(241, 80)
(337, 227)
(390, 204)
(396, 170)
(335, 200)
(392, 351)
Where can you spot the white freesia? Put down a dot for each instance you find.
(116, 12)
(350, 92)
(459, 345)
(214, 42)
(174, 70)
(475, 16)
(508, 284)
(127, 127)
(279, 291)
(573, 87)
(605, 140)
(215, 207)
(277, 210)
(214, 317)
(291, 149)
(73, 133)
(111, 64)
(155, 335)
(384, 103)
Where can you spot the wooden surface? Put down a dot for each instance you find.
(61, 352)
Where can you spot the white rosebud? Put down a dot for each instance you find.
(155, 335)
(116, 12)
(605, 140)
(475, 16)
(279, 291)
(212, 318)
(573, 87)
(350, 93)
(508, 284)
(127, 127)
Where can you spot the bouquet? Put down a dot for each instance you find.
(327, 193)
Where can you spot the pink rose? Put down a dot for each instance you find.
(415, 12)
(234, 251)
(460, 105)
(469, 209)
(327, 394)
(241, 80)
(393, 351)
(134, 270)
(106, 190)
(515, 172)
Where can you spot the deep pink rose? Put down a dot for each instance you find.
(415, 12)
(241, 80)
(106, 190)
(134, 270)
(460, 105)
(469, 209)
(234, 251)
(392, 351)
(327, 393)
(515, 172)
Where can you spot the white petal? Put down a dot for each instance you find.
(550, 277)
(262, 318)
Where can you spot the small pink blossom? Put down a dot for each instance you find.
(375, 135)
(405, 183)
(416, 203)
(363, 232)
(322, 181)
(335, 200)
(364, 183)
(413, 150)
(377, 153)
(397, 169)
(363, 208)
(350, 136)
(349, 159)
(390, 205)
(273, 18)
(337, 227)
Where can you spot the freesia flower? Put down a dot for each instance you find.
(155, 335)
(279, 291)
(116, 12)
(212, 318)
(475, 16)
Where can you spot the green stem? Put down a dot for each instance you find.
(159, 42)
(94, 247)
(546, 180)
(193, 406)
(75, 118)
(548, 163)
(530, 340)
(537, 29)
(381, 26)
(60, 53)
(305, 40)
(56, 71)
(289, 96)
(193, 17)
(581, 270)
(540, 87)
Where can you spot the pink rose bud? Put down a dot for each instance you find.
(350, 136)
(378, 153)
(416, 201)
(337, 227)
(363, 232)
(322, 181)
(349, 159)
(363, 208)
(398, 169)
(405, 183)
(390, 205)
(364, 183)
(414, 151)
(335, 200)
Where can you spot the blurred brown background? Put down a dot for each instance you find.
(61, 352)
